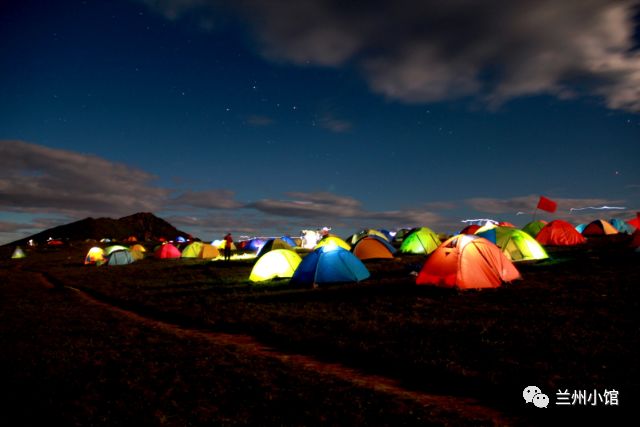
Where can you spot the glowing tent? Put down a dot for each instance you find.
(420, 241)
(373, 247)
(332, 240)
(534, 227)
(273, 244)
(200, 250)
(95, 255)
(467, 262)
(119, 257)
(599, 227)
(353, 239)
(559, 233)
(516, 244)
(109, 249)
(276, 263)
(18, 253)
(167, 251)
(329, 265)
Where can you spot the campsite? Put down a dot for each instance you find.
(193, 341)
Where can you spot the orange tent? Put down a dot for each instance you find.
(599, 227)
(373, 247)
(467, 261)
(559, 233)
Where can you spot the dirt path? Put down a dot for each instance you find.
(467, 407)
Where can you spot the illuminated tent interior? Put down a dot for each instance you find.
(516, 244)
(467, 261)
(559, 233)
(420, 241)
(277, 263)
(329, 264)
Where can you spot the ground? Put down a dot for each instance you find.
(186, 342)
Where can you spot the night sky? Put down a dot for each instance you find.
(267, 117)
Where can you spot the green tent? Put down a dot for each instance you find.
(534, 227)
(275, 263)
(18, 253)
(518, 245)
(420, 241)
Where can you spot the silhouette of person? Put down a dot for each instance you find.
(228, 241)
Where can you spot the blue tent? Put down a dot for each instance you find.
(329, 265)
(580, 228)
(120, 257)
(254, 245)
(289, 240)
(621, 226)
(490, 235)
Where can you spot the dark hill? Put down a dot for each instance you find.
(144, 226)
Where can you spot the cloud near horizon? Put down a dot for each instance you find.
(34, 178)
(433, 51)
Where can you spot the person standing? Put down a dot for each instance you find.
(228, 242)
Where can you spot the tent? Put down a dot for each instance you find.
(599, 227)
(621, 226)
(470, 229)
(290, 241)
(373, 247)
(109, 249)
(580, 228)
(534, 227)
(420, 241)
(467, 261)
(200, 250)
(353, 239)
(273, 244)
(254, 245)
(332, 240)
(276, 263)
(95, 255)
(559, 233)
(18, 253)
(401, 234)
(329, 265)
(119, 257)
(167, 251)
(516, 244)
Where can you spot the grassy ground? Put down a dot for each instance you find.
(571, 323)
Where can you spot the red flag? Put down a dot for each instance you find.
(547, 204)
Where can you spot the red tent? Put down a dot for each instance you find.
(467, 262)
(470, 229)
(167, 251)
(559, 233)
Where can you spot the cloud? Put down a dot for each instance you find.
(212, 199)
(34, 178)
(324, 207)
(528, 204)
(433, 50)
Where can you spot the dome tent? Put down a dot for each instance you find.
(534, 227)
(329, 265)
(373, 247)
(599, 227)
(273, 244)
(420, 241)
(559, 233)
(276, 263)
(467, 261)
(516, 244)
